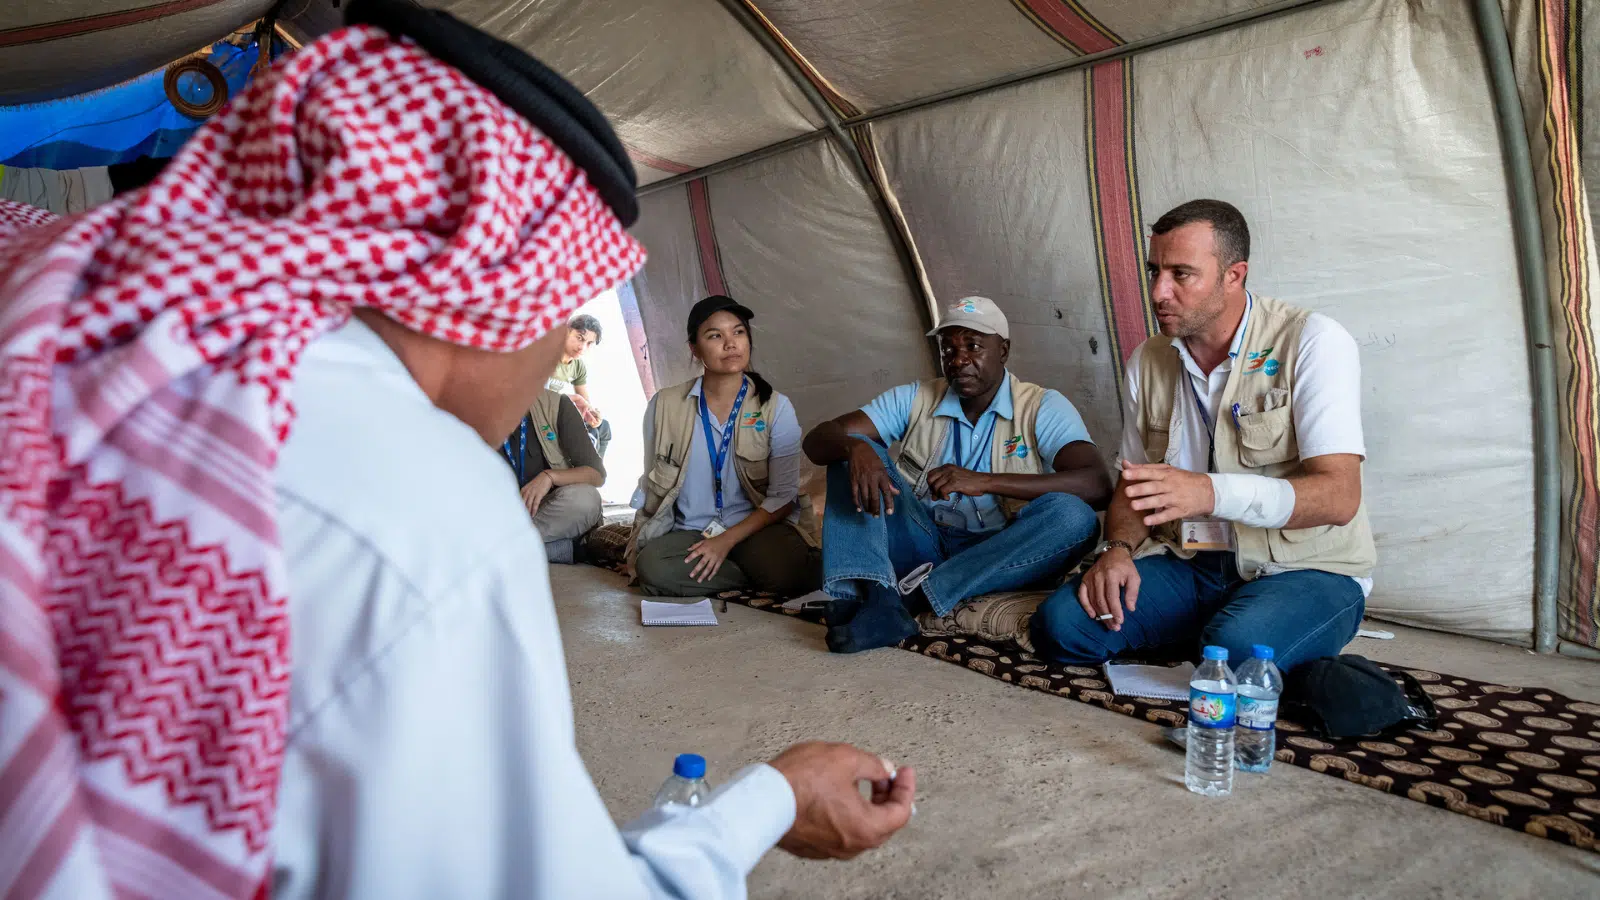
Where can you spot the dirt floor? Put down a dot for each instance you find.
(1022, 794)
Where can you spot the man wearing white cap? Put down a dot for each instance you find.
(994, 488)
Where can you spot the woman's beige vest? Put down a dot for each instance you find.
(677, 415)
(1263, 442)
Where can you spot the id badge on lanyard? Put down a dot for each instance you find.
(719, 452)
(1205, 533)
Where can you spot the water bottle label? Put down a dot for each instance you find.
(1258, 715)
(1207, 710)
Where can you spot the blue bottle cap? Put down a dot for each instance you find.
(1261, 651)
(1215, 652)
(689, 765)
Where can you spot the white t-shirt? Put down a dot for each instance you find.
(430, 749)
(1326, 399)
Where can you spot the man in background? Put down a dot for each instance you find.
(559, 473)
(572, 378)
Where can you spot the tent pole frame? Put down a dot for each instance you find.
(902, 246)
(1529, 234)
(1132, 48)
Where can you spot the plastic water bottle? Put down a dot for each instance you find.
(1260, 684)
(1208, 762)
(687, 783)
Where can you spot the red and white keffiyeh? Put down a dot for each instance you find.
(146, 348)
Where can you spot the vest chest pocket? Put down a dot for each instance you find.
(1267, 438)
(663, 477)
(755, 467)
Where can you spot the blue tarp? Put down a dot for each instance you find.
(116, 125)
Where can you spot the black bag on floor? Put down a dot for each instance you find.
(1349, 696)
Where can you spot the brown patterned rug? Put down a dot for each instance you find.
(1525, 758)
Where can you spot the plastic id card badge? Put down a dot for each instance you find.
(1206, 534)
(712, 530)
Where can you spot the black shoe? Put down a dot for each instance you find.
(884, 623)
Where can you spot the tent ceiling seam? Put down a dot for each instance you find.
(766, 34)
(1132, 48)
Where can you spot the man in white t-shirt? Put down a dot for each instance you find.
(1238, 519)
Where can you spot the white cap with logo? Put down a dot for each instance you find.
(976, 313)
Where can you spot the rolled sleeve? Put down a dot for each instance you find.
(1132, 440)
(783, 472)
(1057, 425)
(890, 412)
(1327, 391)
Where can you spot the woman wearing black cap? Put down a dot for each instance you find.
(719, 506)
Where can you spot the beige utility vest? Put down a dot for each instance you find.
(677, 416)
(1263, 442)
(1015, 449)
(544, 413)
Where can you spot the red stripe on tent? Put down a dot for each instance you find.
(1559, 50)
(659, 163)
(1070, 24)
(50, 31)
(1113, 192)
(705, 237)
(633, 320)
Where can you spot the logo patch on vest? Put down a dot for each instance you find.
(753, 420)
(549, 433)
(1259, 361)
(1015, 447)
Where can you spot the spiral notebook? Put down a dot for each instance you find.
(657, 613)
(1155, 682)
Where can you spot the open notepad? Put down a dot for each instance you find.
(1155, 682)
(657, 613)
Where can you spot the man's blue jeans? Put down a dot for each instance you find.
(1045, 539)
(1187, 604)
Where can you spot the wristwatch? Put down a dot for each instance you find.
(1106, 546)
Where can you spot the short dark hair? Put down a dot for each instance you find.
(586, 323)
(1227, 224)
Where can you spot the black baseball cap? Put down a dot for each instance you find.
(712, 305)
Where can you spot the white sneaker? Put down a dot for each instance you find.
(915, 579)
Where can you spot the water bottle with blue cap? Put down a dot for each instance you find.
(687, 783)
(1260, 685)
(1213, 695)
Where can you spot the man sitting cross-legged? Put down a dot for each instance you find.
(1239, 517)
(994, 488)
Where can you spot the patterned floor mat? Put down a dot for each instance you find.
(1525, 758)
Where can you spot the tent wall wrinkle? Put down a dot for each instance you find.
(831, 335)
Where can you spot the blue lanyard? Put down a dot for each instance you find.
(1211, 430)
(962, 461)
(520, 460)
(719, 452)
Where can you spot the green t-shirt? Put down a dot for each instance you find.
(568, 376)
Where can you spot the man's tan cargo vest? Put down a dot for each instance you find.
(546, 410)
(677, 415)
(1262, 443)
(1015, 449)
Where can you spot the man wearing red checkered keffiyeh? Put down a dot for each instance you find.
(197, 382)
